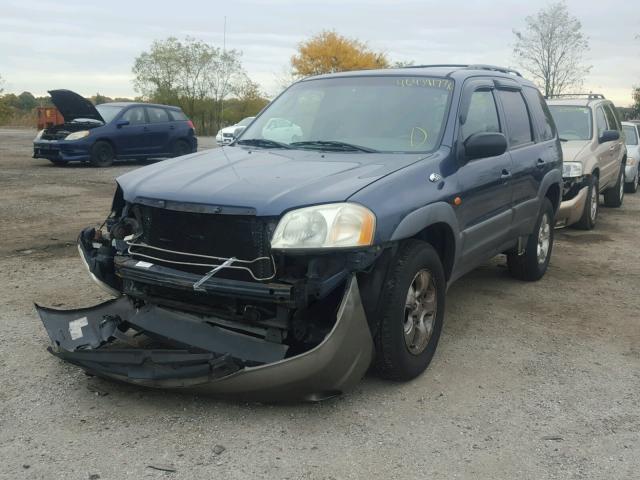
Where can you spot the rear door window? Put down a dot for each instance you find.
(516, 118)
(157, 115)
(135, 116)
(482, 116)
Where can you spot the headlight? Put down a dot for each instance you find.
(334, 225)
(571, 169)
(38, 135)
(77, 135)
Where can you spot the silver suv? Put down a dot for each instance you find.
(594, 156)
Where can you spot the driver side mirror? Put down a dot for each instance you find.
(609, 136)
(122, 123)
(483, 145)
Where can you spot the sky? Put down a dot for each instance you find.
(90, 47)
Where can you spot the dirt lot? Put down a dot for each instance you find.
(530, 381)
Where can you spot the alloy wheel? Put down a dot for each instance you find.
(420, 312)
(544, 239)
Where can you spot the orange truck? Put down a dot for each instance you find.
(48, 117)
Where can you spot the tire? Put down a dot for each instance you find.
(613, 196)
(592, 205)
(102, 154)
(531, 266)
(632, 186)
(404, 350)
(181, 148)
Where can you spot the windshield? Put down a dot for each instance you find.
(573, 122)
(630, 135)
(382, 113)
(108, 112)
(244, 122)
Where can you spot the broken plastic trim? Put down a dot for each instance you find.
(331, 367)
(225, 261)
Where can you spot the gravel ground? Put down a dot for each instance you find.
(530, 381)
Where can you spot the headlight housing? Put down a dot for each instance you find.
(77, 135)
(571, 169)
(335, 225)
(38, 135)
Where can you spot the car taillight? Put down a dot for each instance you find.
(190, 123)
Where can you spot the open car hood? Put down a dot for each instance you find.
(72, 106)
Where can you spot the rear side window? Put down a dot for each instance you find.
(135, 116)
(482, 116)
(601, 121)
(612, 119)
(157, 115)
(630, 134)
(542, 118)
(516, 117)
(178, 116)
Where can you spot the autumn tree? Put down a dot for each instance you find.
(329, 52)
(552, 48)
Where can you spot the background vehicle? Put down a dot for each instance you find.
(632, 166)
(289, 267)
(113, 131)
(226, 135)
(594, 156)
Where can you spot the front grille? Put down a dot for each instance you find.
(245, 237)
(59, 135)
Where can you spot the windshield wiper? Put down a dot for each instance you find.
(334, 145)
(262, 142)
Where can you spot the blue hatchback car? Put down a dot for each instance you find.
(113, 131)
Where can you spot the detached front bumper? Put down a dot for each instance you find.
(187, 351)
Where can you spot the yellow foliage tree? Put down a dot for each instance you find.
(328, 52)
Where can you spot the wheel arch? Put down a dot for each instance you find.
(437, 225)
(109, 141)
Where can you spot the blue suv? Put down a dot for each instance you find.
(103, 133)
(284, 265)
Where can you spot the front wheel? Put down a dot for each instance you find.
(632, 186)
(590, 213)
(533, 263)
(180, 148)
(614, 195)
(411, 313)
(102, 154)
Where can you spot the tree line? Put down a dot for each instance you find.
(211, 85)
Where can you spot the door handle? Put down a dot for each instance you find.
(540, 163)
(612, 147)
(172, 127)
(505, 174)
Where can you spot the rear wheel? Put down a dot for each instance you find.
(590, 213)
(614, 195)
(533, 263)
(102, 154)
(632, 186)
(412, 312)
(180, 148)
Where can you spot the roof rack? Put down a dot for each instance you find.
(493, 68)
(588, 96)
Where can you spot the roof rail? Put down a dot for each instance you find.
(588, 96)
(493, 68)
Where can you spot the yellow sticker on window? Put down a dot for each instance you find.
(418, 136)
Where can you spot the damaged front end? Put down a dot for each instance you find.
(205, 304)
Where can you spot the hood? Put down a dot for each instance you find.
(572, 149)
(267, 181)
(72, 106)
(230, 129)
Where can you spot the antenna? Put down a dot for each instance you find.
(224, 51)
